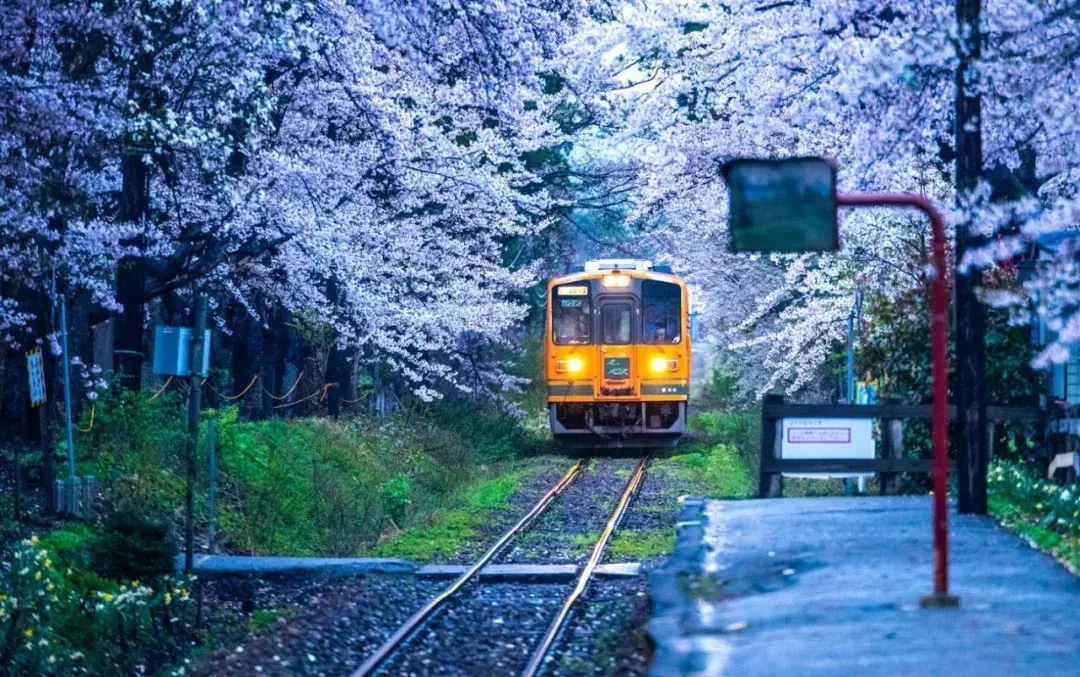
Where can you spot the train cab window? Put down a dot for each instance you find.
(661, 312)
(615, 323)
(571, 315)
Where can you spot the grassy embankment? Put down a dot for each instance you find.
(102, 596)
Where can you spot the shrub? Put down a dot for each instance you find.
(1054, 506)
(55, 619)
(133, 547)
(395, 494)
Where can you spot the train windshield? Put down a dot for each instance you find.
(615, 320)
(571, 315)
(661, 312)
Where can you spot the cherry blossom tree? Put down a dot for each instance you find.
(281, 150)
(870, 84)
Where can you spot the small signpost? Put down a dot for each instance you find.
(831, 438)
(791, 205)
(36, 370)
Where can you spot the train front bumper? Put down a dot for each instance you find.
(618, 424)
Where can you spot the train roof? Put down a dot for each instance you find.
(592, 270)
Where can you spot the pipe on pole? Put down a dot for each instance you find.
(939, 357)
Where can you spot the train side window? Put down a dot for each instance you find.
(661, 312)
(571, 315)
(615, 322)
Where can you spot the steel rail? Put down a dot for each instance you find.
(383, 652)
(559, 622)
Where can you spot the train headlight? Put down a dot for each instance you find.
(573, 365)
(662, 364)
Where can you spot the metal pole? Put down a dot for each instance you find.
(17, 500)
(72, 508)
(210, 439)
(851, 357)
(939, 357)
(194, 408)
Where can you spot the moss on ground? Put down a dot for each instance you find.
(642, 543)
(707, 469)
(716, 459)
(456, 530)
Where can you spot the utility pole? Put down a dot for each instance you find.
(71, 502)
(194, 409)
(972, 444)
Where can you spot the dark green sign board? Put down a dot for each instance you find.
(617, 367)
(782, 205)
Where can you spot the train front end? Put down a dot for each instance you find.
(617, 355)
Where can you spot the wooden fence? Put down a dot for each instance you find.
(890, 463)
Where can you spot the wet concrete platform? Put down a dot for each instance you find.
(831, 586)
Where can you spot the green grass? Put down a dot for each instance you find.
(309, 487)
(495, 492)
(707, 469)
(717, 458)
(642, 543)
(454, 529)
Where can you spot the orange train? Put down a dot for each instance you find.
(617, 355)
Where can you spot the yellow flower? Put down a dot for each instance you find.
(52, 586)
(34, 540)
(168, 598)
(135, 582)
(29, 633)
(48, 564)
(123, 588)
(37, 576)
(108, 597)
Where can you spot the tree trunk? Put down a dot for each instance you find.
(131, 277)
(337, 364)
(247, 342)
(134, 208)
(971, 447)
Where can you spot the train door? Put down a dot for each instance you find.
(618, 322)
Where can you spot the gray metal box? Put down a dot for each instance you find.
(172, 351)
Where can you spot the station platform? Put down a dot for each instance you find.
(831, 586)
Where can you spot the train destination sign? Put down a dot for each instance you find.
(782, 205)
(573, 291)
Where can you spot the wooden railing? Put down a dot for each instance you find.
(891, 462)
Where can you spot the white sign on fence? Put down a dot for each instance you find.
(36, 370)
(814, 438)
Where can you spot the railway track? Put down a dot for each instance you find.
(380, 657)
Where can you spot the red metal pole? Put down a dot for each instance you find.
(939, 356)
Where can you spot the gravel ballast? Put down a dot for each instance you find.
(490, 628)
